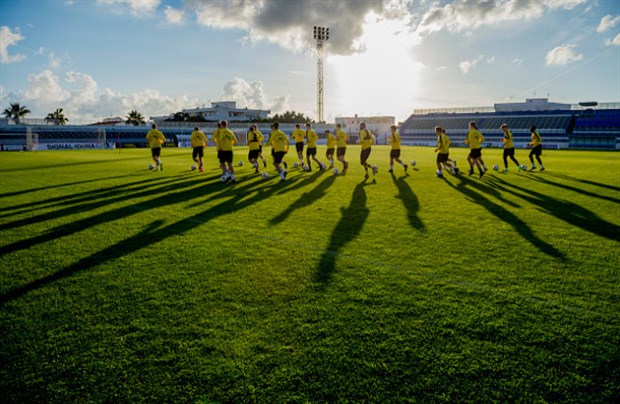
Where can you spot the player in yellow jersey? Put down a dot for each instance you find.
(509, 148)
(226, 140)
(279, 146)
(366, 141)
(474, 140)
(155, 140)
(341, 142)
(311, 138)
(394, 140)
(199, 141)
(536, 144)
(330, 141)
(443, 152)
(255, 144)
(299, 135)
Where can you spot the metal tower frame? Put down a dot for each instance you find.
(321, 34)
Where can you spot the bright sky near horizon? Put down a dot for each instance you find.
(103, 58)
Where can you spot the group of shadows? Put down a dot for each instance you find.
(160, 192)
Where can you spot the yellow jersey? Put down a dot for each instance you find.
(443, 144)
(215, 139)
(536, 139)
(395, 140)
(475, 139)
(226, 139)
(331, 140)
(198, 138)
(298, 135)
(278, 141)
(366, 139)
(341, 138)
(255, 139)
(155, 138)
(508, 140)
(312, 138)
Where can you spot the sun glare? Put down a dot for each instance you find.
(384, 79)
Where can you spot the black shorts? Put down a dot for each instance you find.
(253, 154)
(442, 157)
(260, 149)
(509, 152)
(311, 151)
(536, 151)
(156, 151)
(364, 155)
(198, 152)
(278, 156)
(395, 153)
(226, 156)
(272, 151)
(330, 151)
(341, 151)
(475, 153)
(299, 146)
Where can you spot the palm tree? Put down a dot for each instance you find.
(16, 112)
(58, 117)
(134, 118)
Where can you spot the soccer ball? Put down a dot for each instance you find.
(305, 167)
(224, 177)
(336, 171)
(240, 163)
(496, 167)
(296, 164)
(524, 167)
(265, 175)
(151, 166)
(413, 163)
(193, 167)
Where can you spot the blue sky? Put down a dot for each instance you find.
(103, 58)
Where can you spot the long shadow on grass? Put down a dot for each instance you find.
(538, 178)
(582, 181)
(569, 212)
(505, 215)
(300, 183)
(151, 235)
(91, 201)
(347, 229)
(167, 197)
(88, 196)
(306, 199)
(67, 184)
(410, 202)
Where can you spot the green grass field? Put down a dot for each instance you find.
(119, 284)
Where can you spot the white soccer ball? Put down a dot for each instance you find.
(496, 167)
(524, 167)
(240, 163)
(193, 167)
(151, 166)
(224, 177)
(305, 167)
(413, 163)
(296, 164)
(265, 175)
(336, 171)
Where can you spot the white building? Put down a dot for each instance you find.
(227, 111)
(378, 125)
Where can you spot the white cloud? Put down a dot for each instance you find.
(137, 7)
(517, 61)
(607, 22)
(53, 60)
(8, 38)
(613, 42)
(467, 65)
(561, 55)
(45, 89)
(464, 15)
(174, 15)
(252, 95)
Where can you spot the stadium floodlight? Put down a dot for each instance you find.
(321, 34)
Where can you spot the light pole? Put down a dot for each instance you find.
(320, 34)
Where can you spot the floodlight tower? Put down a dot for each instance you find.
(320, 34)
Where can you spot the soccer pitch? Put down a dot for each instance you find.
(120, 284)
